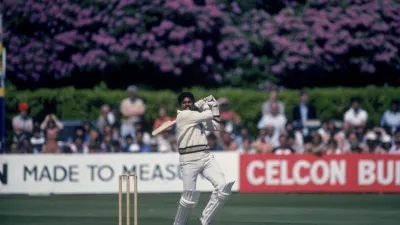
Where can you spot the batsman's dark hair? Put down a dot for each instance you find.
(184, 95)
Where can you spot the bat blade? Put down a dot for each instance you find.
(163, 127)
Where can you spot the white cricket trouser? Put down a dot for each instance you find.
(208, 167)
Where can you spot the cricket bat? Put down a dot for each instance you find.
(163, 127)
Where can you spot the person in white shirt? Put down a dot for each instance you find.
(274, 119)
(195, 157)
(356, 116)
(391, 118)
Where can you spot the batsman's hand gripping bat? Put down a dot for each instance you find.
(163, 127)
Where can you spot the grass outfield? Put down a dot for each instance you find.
(243, 209)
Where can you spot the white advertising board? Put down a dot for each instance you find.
(98, 173)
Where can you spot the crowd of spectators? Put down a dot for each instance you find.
(123, 130)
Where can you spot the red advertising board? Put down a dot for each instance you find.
(329, 173)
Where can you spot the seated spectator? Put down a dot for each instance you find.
(274, 119)
(153, 145)
(391, 118)
(356, 116)
(132, 109)
(386, 144)
(354, 144)
(317, 146)
(22, 121)
(396, 145)
(87, 128)
(130, 144)
(261, 145)
(283, 148)
(139, 127)
(26, 146)
(244, 131)
(324, 132)
(304, 111)
(37, 141)
(266, 107)
(94, 141)
(232, 120)
(105, 118)
(116, 136)
(164, 142)
(14, 148)
(246, 146)
(213, 142)
(371, 143)
(18, 138)
(51, 127)
(162, 117)
(107, 145)
(228, 142)
(298, 138)
(332, 148)
(78, 146)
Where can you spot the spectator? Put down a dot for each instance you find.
(14, 148)
(332, 148)
(396, 145)
(304, 111)
(274, 119)
(37, 141)
(354, 144)
(391, 118)
(246, 146)
(228, 142)
(22, 121)
(78, 146)
(261, 145)
(106, 145)
(317, 146)
(87, 128)
(116, 136)
(386, 144)
(26, 146)
(51, 127)
(324, 131)
(356, 116)
(266, 107)
(371, 143)
(239, 138)
(213, 142)
(139, 127)
(164, 142)
(105, 118)
(162, 117)
(228, 116)
(130, 144)
(141, 145)
(283, 148)
(94, 141)
(18, 138)
(132, 109)
(298, 138)
(153, 145)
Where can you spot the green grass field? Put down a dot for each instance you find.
(243, 209)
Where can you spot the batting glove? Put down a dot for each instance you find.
(201, 105)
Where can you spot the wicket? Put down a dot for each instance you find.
(128, 192)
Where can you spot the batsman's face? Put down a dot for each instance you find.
(187, 104)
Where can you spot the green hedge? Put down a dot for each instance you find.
(72, 103)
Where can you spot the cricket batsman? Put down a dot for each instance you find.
(192, 122)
